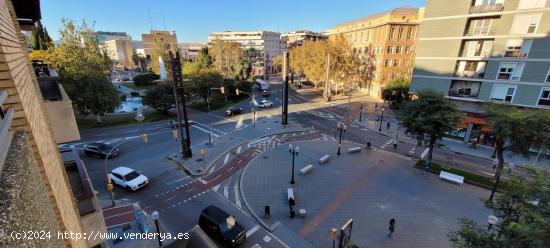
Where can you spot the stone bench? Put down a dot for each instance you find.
(354, 149)
(306, 170)
(324, 159)
(451, 177)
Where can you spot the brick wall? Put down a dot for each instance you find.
(17, 77)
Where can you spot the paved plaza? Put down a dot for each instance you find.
(371, 187)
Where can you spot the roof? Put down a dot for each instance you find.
(122, 170)
(396, 11)
(27, 10)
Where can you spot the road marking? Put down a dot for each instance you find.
(226, 159)
(170, 198)
(226, 189)
(266, 238)
(237, 199)
(177, 181)
(239, 150)
(206, 131)
(257, 141)
(424, 153)
(215, 188)
(252, 230)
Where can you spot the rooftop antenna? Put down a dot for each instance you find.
(150, 21)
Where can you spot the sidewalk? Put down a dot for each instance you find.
(196, 166)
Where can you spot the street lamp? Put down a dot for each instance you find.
(155, 217)
(342, 128)
(492, 220)
(381, 119)
(361, 112)
(294, 151)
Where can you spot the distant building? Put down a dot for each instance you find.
(385, 43)
(189, 51)
(267, 44)
(149, 41)
(103, 36)
(297, 38)
(121, 52)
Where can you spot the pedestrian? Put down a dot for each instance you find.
(495, 163)
(388, 125)
(395, 146)
(392, 227)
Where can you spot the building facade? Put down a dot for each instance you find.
(190, 51)
(149, 41)
(385, 43)
(268, 44)
(103, 36)
(485, 51)
(120, 51)
(297, 38)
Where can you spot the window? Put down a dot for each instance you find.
(518, 48)
(410, 33)
(525, 24)
(544, 98)
(503, 92)
(395, 62)
(529, 4)
(477, 48)
(388, 63)
(464, 88)
(407, 49)
(392, 33)
(390, 49)
(398, 49)
(480, 26)
(400, 34)
(510, 71)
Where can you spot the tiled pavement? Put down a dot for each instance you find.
(371, 187)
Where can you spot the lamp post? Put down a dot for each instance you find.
(294, 151)
(109, 182)
(222, 90)
(492, 220)
(155, 217)
(381, 119)
(361, 112)
(342, 128)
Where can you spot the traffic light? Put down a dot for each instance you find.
(175, 134)
(237, 92)
(222, 89)
(144, 137)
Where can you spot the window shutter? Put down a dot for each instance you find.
(521, 24)
(499, 92)
(516, 74)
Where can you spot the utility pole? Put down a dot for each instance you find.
(284, 121)
(175, 65)
(327, 83)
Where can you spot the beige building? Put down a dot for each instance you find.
(385, 43)
(297, 38)
(40, 192)
(120, 51)
(149, 41)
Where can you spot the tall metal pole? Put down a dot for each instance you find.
(292, 178)
(180, 99)
(284, 120)
(381, 119)
(327, 83)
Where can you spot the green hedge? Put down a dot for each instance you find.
(145, 79)
(470, 178)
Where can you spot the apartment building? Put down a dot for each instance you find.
(120, 51)
(189, 51)
(268, 45)
(385, 43)
(297, 38)
(149, 41)
(39, 190)
(103, 36)
(480, 51)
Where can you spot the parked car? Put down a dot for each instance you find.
(222, 226)
(128, 178)
(265, 93)
(264, 104)
(100, 150)
(233, 111)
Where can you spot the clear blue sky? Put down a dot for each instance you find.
(194, 20)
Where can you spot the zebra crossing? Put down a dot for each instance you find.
(389, 142)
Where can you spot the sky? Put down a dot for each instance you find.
(194, 20)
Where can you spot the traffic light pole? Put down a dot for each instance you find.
(180, 104)
(284, 120)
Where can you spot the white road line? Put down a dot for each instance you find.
(266, 238)
(257, 141)
(252, 230)
(226, 188)
(215, 188)
(226, 159)
(424, 153)
(206, 131)
(239, 149)
(237, 199)
(176, 181)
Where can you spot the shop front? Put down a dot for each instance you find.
(474, 128)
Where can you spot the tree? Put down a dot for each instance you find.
(40, 40)
(226, 55)
(396, 91)
(200, 83)
(161, 97)
(523, 216)
(203, 61)
(84, 70)
(40, 55)
(160, 49)
(431, 115)
(521, 129)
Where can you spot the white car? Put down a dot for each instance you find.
(264, 104)
(128, 178)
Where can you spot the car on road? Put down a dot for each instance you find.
(264, 104)
(100, 150)
(222, 226)
(233, 111)
(265, 93)
(128, 178)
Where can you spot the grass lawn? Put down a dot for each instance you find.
(120, 120)
(218, 103)
(470, 178)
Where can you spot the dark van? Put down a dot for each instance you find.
(221, 226)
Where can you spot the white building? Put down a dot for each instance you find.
(268, 43)
(189, 51)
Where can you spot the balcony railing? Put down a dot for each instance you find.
(477, 9)
(6, 116)
(478, 33)
(482, 55)
(515, 54)
(465, 93)
(469, 74)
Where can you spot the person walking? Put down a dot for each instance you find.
(391, 227)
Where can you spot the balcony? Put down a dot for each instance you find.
(469, 74)
(473, 33)
(515, 54)
(464, 89)
(478, 9)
